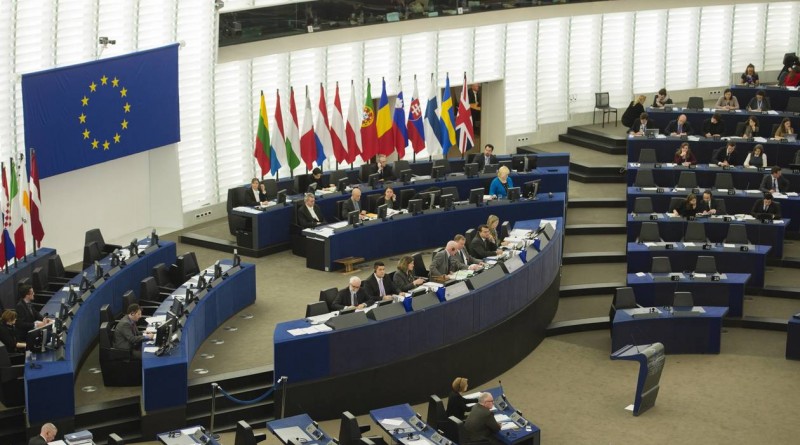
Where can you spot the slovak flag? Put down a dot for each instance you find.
(416, 130)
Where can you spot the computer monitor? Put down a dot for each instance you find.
(36, 340)
(471, 170)
(354, 218)
(312, 188)
(374, 180)
(523, 163)
(382, 211)
(341, 185)
(153, 238)
(531, 188)
(437, 172)
(405, 176)
(429, 199)
(177, 307)
(85, 283)
(505, 163)
(513, 194)
(447, 201)
(415, 206)
(73, 295)
(163, 333)
(651, 133)
(217, 270)
(98, 270)
(134, 247)
(490, 169)
(281, 197)
(476, 196)
(237, 260)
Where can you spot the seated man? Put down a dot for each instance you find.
(713, 126)
(444, 262)
(641, 124)
(707, 206)
(483, 246)
(27, 316)
(487, 158)
(353, 296)
(316, 178)
(46, 435)
(774, 182)
(126, 335)
(463, 257)
(727, 156)
(255, 196)
(679, 127)
(389, 198)
(377, 287)
(353, 204)
(767, 206)
(309, 214)
(480, 425)
(382, 168)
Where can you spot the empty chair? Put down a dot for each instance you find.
(793, 105)
(602, 103)
(94, 236)
(687, 180)
(245, 435)
(185, 267)
(328, 295)
(661, 264)
(399, 166)
(349, 430)
(720, 205)
(161, 274)
(39, 283)
(649, 233)
(91, 253)
(706, 264)
(682, 299)
(463, 436)
(643, 204)
(405, 196)
(372, 202)
(695, 233)
(56, 271)
(647, 156)
(723, 181)
(148, 307)
(364, 171)
(106, 314)
(149, 292)
(451, 191)
(316, 308)
(695, 103)
(624, 298)
(420, 269)
(737, 234)
(443, 163)
(740, 129)
(436, 412)
(12, 380)
(644, 178)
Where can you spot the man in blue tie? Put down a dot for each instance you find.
(353, 204)
(679, 127)
(377, 287)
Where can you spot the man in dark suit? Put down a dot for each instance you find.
(679, 127)
(482, 245)
(126, 335)
(351, 296)
(774, 182)
(707, 206)
(316, 178)
(463, 257)
(727, 156)
(377, 287)
(480, 425)
(713, 126)
(382, 168)
(767, 206)
(254, 195)
(388, 198)
(309, 214)
(46, 434)
(27, 316)
(486, 158)
(353, 204)
(641, 124)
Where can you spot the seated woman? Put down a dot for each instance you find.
(792, 79)
(456, 402)
(728, 101)
(501, 183)
(783, 129)
(750, 77)
(661, 99)
(634, 110)
(8, 334)
(750, 128)
(493, 222)
(687, 208)
(756, 158)
(684, 156)
(404, 279)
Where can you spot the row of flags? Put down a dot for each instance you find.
(365, 133)
(20, 205)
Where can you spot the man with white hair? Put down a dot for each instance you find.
(353, 296)
(46, 434)
(480, 425)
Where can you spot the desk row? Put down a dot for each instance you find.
(705, 149)
(728, 123)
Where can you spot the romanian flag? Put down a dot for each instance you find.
(448, 120)
(384, 125)
(262, 139)
(369, 133)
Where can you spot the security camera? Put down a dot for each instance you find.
(106, 41)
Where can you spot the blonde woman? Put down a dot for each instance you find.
(501, 183)
(634, 110)
(456, 403)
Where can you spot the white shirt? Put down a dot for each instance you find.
(311, 212)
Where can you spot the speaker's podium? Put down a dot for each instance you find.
(651, 363)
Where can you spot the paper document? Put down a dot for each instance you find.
(501, 418)
(156, 319)
(508, 426)
(151, 349)
(392, 422)
(244, 209)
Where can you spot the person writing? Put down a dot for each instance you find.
(726, 157)
(713, 126)
(353, 296)
(684, 156)
(8, 333)
(456, 402)
(480, 425)
(634, 110)
(500, 185)
(640, 125)
(750, 77)
(707, 206)
(404, 279)
(766, 207)
(784, 129)
(309, 214)
(687, 208)
(661, 99)
(679, 127)
(126, 334)
(774, 182)
(758, 103)
(727, 101)
(482, 245)
(462, 256)
(445, 263)
(756, 158)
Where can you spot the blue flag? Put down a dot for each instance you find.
(81, 115)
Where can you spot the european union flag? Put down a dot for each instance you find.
(81, 115)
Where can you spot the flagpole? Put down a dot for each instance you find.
(21, 166)
(464, 94)
(5, 257)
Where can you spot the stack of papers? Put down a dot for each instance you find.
(313, 329)
(247, 210)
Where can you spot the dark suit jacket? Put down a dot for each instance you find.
(126, 335)
(250, 199)
(37, 440)
(393, 205)
(386, 174)
(482, 248)
(343, 299)
(712, 128)
(304, 218)
(404, 282)
(456, 405)
(637, 125)
(703, 206)
(480, 424)
(722, 155)
(481, 160)
(753, 104)
(444, 264)
(766, 185)
(348, 207)
(672, 127)
(8, 337)
(370, 286)
(774, 209)
(460, 259)
(26, 318)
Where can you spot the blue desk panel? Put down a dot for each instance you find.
(743, 178)
(729, 118)
(793, 339)
(778, 96)
(697, 334)
(165, 379)
(49, 388)
(23, 269)
(777, 153)
(405, 233)
(513, 436)
(303, 422)
(640, 258)
(402, 432)
(727, 293)
(337, 353)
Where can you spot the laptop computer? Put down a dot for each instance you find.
(651, 133)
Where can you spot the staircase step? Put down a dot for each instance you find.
(578, 290)
(590, 178)
(792, 293)
(593, 257)
(595, 134)
(596, 229)
(573, 326)
(592, 144)
(594, 202)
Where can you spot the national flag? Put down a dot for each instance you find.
(8, 250)
(464, 128)
(338, 136)
(308, 142)
(322, 130)
(25, 199)
(293, 138)
(415, 126)
(399, 126)
(37, 230)
(17, 224)
(277, 145)
(353, 130)
(448, 128)
(262, 151)
(433, 127)
(369, 133)
(384, 124)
